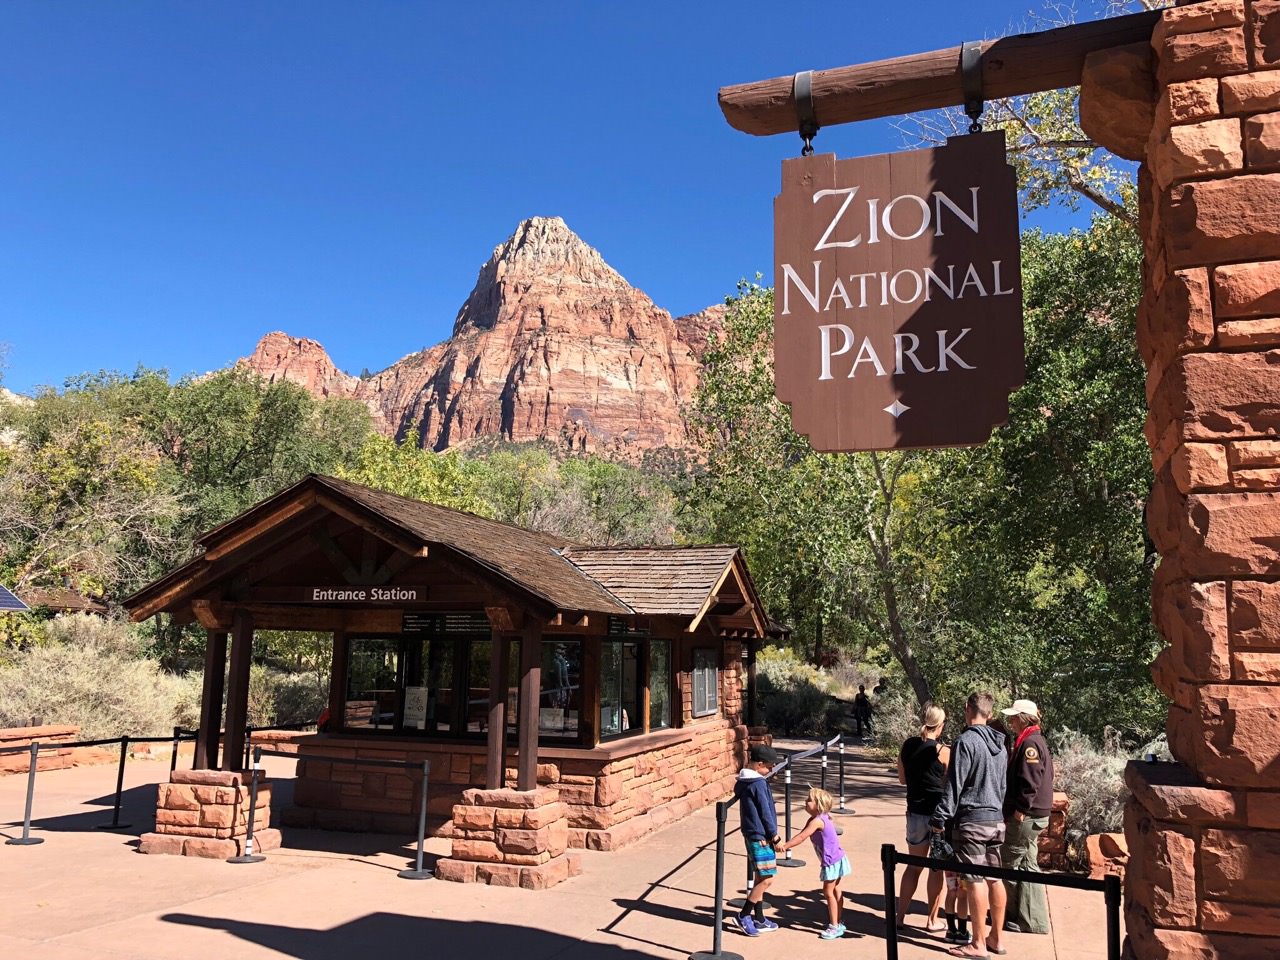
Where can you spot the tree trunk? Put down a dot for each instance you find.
(817, 642)
(901, 645)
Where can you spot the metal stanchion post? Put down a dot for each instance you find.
(842, 809)
(248, 744)
(27, 840)
(1111, 891)
(249, 856)
(887, 853)
(722, 814)
(788, 860)
(418, 873)
(173, 760)
(115, 823)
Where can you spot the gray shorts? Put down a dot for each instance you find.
(918, 831)
(979, 844)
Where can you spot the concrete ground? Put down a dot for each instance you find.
(85, 894)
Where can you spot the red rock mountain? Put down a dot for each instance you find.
(552, 344)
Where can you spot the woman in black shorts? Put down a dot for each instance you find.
(922, 766)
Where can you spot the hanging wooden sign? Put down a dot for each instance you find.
(898, 296)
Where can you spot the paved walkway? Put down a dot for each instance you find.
(85, 894)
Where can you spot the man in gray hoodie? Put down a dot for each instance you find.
(974, 798)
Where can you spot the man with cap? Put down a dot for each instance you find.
(760, 831)
(1027, 805)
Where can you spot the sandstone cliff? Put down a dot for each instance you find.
(551, 344)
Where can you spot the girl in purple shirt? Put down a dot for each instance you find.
(832, 862)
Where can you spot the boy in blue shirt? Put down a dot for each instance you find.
(760, 831)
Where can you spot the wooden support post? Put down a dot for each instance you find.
(215, 669)
(530, 698)
(753, 644)
(498, 668)
(338, 682)
(238, 689)
(1026, 63)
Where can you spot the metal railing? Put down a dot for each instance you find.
(180, 735)
(1109, 886)
(417, 872)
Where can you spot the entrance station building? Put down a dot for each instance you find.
(511, 660)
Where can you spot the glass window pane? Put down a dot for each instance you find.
(706, 683)
(372, 694)
(560, 703)
(659, 684)
(428, 679)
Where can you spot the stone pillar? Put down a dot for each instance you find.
(1204, 833)
(510, 838)
(205, 813)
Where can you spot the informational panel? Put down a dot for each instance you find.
(415, 708)
(898, 297)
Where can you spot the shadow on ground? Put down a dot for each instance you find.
(379, 933)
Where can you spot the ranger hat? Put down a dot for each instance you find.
(1022, 706)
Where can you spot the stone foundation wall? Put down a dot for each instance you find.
(205, 813)
(1204, 834)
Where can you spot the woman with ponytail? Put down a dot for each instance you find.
(922, 766)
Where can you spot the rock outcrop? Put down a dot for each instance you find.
(552, 344)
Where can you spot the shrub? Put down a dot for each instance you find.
(794, 701)
(895, 717)
(188, 688)
(1093, 777)
(104, 693)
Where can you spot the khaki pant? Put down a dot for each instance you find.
(1027, 908)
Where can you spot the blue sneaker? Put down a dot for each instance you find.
(765, 926)
(747, 926)
(833, 933)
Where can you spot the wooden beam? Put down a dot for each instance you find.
(215, 668)
(211, 614)
(530, 698)
(402, 541)
(275, 519)
(238, 689)
(498, 668)
(1021, 64)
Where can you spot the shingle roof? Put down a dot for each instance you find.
(533, 560)
(62, 599)
(656, 580)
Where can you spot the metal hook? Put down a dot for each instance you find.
(802, 91)
(971, 78)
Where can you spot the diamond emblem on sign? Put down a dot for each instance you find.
(897, 408)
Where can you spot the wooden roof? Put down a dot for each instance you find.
(669, 581)
(61, 600)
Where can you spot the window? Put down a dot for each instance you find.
(478, 685)
(706, 683)
(560, 700)
(659, 684)
(428, 685)
(621, 687)
(372, 683)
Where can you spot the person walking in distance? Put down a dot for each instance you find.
(760, 831)
(862, 710)
(1027, 805)
(974, 797)
(922, 766)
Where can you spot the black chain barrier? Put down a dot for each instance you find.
(179, 736)
(418, 871)
(1109, 886)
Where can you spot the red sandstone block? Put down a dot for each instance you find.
(1162, 864)
(1192, 615)
(216, 794)
(1188, 102)
(467, 817)
(483, 850)
(539, 817)
(1171, 791)
(160, 843)
(526, 859)
(208, 778)
(1251, 92)
(176, 797)
(1260, 333)
(1218, 221)
(1247, 289)
(545, 876)
(499, 874)
(1262, 140)
(458, 871)
(1241, 918)
(1256, 479)
(1265, 36)
(214, 815)
(1240, 865)
(265, 839)
(1237, 742)
(1255, 666)
(178, 818)
(1209, 15)
(1179, 319)
(1193, 151)
(1262, 809)
(1200, 466)
(523, 841)
(211, 849)
(1211, 53)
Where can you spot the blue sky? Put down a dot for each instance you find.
(181, 178)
